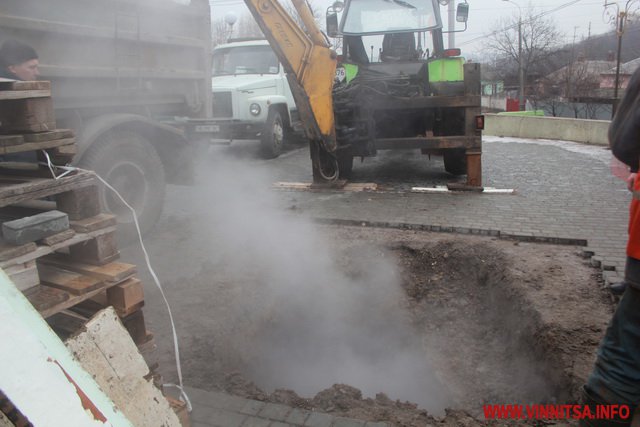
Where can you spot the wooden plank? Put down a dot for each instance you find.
(58, 238)
(6, 95)
(180, 408)
(19, 189)
(25, 85)
(44, 299)
(49, 136)
(8, 251)
(74, 283)
(94, 223)
(126, 297)
(135, 325)
(24, 276)
(45, 250)
(112, 272)
(34, 146)
(6, 140)
(27, 115)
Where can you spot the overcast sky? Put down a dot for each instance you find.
(571, 16)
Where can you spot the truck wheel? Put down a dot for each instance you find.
(345, 165)
(130, 164)
(455, 161)
(273, 136)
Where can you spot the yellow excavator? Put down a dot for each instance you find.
(416, 95)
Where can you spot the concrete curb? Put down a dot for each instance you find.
(556, 128)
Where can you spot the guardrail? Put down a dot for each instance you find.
(556, 128)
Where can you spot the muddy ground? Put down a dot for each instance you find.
(403, 325)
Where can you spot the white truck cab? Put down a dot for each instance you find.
(251, 96)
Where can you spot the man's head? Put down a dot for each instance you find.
(20, 59)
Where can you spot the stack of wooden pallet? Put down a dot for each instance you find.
(56, 245)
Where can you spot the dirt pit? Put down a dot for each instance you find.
(394, 326)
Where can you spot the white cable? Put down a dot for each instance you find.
(69, 169)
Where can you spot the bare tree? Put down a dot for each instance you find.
(540, 37)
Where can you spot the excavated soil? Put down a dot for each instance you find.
(491, 321)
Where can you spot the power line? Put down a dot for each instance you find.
(540, 15)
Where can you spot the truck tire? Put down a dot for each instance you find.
(273, 136)
(345, 165)
(130, 164)
(455, 161)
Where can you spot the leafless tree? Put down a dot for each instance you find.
(540, 37)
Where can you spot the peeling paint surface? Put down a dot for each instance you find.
(45, 393)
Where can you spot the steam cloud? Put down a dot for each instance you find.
(324, 322)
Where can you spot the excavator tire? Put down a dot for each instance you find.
(272, 139)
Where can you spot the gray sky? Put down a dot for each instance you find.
(578, 16)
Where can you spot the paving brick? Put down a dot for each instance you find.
(347, 422)
(317, 419)
(217, 417)
(275, 411)
(297, 416)
(256, 422)
(378, 424)
(279, 424)
(252, 407)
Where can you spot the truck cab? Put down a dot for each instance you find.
(251, 96)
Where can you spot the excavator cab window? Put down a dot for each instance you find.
(366, 17)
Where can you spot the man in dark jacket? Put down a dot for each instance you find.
(18, 61)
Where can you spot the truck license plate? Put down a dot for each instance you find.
(207, 128)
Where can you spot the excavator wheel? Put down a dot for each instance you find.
(324, 165)
(455, 161)
(345, 165)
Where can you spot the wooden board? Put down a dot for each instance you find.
(6, 140)
(34, 146)
(74, 283)
(24, 276)
(44, 298)
(6, 95)
(112, 272)
(8, 251)
(99, 251)
(58, 238)
(19, 189)
(49, 136)
(25, 85)
(80, 203)
(94, 223)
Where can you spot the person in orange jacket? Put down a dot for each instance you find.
(615, 379)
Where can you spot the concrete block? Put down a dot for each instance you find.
(36, 227)
(317, 419)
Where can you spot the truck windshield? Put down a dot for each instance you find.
(245, 60)
(381, 16)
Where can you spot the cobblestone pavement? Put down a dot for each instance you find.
(565, 193)
(213, 409)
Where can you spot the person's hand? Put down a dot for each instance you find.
(631, 180)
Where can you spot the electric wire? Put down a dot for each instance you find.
(69, 169)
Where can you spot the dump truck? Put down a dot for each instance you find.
(133, 79)
(415, 95)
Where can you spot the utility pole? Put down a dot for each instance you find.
(521, 100)
(620, 16)
(452, 24)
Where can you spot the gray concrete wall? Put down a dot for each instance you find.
(578, 130)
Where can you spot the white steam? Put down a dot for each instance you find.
(324, 321)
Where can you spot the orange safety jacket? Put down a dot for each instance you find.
(633, 245)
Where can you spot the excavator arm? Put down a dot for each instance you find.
(310, 65)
